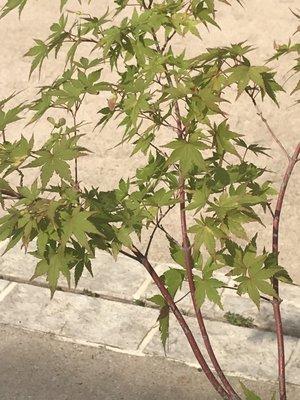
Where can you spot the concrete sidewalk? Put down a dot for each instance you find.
(106, 312)
(36, 366)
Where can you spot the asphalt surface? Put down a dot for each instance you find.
(39, 367)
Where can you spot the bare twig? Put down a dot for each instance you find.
(275, 248)
(168, 41)
(259, 112)
(264, 120)
(270, 209)
(235, 288)
(157, 227)
(125, 253)
(183, 297)
(163, 229)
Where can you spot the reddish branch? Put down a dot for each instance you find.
(181, 320)
(189, 264)
(275, 249)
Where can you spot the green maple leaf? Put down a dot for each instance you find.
(223, 137)
(188, 154)
(199, 199)
(78, 225)
(56, 263)
(208, 288)
(243, 74)
(176, 252)
(173, 278)
(206, 233)
(54, 160)
(250, 270)
(163, 318)
(11, 5)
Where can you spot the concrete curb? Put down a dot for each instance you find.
(106, 311)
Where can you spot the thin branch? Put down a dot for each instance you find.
(156, 227)
(74, 115)
(163, 229)
(270, 209)
(168, 41)
(21, 176)
(234, 288)
(10, 193)
(181, 320)
(189, 264)
(187, 249)
(275, 249)
(270, 130)
(259, 112)
(128, 255)
(183, 297)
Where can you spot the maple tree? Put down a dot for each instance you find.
(204, 171)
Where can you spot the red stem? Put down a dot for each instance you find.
(275, 249)
(189, 263)
(189, 335)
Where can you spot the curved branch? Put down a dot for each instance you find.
(275, 249)
(181, 320)
(189, 264)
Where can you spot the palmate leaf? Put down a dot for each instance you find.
(163, 318)
(82, 261)
(54, 160)
(13, 155)
(164, 325)
(77, 224)
(176, 252)
(207, 233)
(173, 279)
(199, 198)
(250, 270)
(57, 263)
(39, 52)
(261, 76)
(188, 154)
(223, 138)
(208, 288)
(10, 116)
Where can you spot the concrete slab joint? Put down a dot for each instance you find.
(115, 320)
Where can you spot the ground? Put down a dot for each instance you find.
(261, 23)
(43, 368)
